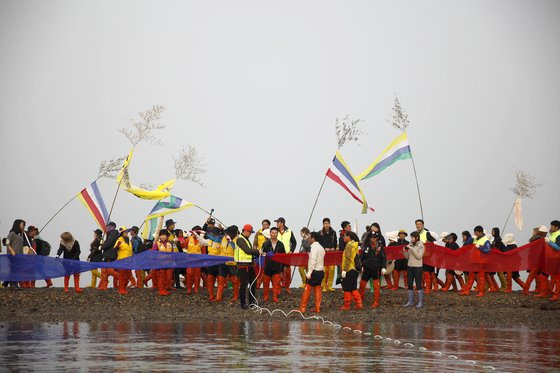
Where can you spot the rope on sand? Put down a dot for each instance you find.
(258, 309)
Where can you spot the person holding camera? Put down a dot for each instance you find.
(374, 263)
(414, 254)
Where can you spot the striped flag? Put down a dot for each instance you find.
(340, 173)
(162, 208)
(395, 151)
(92, 200)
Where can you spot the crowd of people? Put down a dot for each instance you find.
(363, 261)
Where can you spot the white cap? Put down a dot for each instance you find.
(392, 236)
(266, 232)
(508, 239)
(543, 229)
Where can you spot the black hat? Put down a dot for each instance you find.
(112, 224)
(281, 220)
(98, 232)
(232, 231)
(169, 222)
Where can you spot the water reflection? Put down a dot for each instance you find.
(270, 345)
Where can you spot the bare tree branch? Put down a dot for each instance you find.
(347, 130)
(189, 165)
(143, 127)
(525, 185)
(110, 168)
(399, 118)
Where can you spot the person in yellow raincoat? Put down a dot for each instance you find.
(193, 245)
(124, 250)
(227, 271)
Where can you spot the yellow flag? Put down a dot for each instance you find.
(161, 192)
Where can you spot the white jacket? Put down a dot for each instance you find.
(316, 259)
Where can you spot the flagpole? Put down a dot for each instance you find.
(507, 220)
(417, 185)
(316, 199)
(62, 208)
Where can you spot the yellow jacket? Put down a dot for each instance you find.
(227, 249)
(164, 247)
(194, 246)
(215, 248)
(259, 240)
(124, 249)
(350, 252)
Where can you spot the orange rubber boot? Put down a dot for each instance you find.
(305, 297)
(266, 287)
(362, 288)
(376, 293)
(427, 281)
(318, 298)
(276, 288)
(77, 283)
(466, 290)
(435, 283)
(357, 299)
(544, 288)
(448, 281)
(481, 286)
(123, 281)
(508, 282)
(556, 295)
(520, 282)
(196, 280)
(532, 275)
(220, 292)
(161, 282)
(347, 300)
(395, 280)
(66, 283)
(210, 286)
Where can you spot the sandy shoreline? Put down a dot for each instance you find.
(494, 310)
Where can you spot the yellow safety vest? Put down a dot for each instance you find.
(227, 250)
(241, 256)
(423, 235)
(481, 241)
(285, 239)
(215, 248)
(554, 236)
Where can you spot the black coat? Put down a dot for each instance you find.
(328, 239)
(108, 248)
(95, 253)
(371, 260)
(73, 253)
(271, 265)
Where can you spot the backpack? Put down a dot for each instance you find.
(141, 247)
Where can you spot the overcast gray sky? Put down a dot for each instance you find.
(256, 86)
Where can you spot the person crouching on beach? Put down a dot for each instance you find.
(124, 250)
(374, 263)
(414, 254)
(163, 276)
(350, 272)
(315, 273)
(71, 250)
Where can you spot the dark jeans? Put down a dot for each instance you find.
(247, 277)
(414, 274)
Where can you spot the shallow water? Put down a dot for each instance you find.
(272, 345)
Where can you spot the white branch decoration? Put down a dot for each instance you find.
(525, 185)
(110, 168)
(143, 127)
(400, 117)
(347, 130)
(189, 165)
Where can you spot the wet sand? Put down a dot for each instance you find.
(493, 310)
